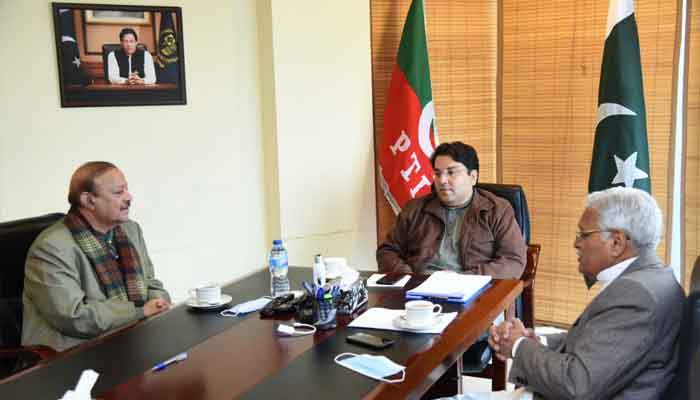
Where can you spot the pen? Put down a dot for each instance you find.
(165, 364)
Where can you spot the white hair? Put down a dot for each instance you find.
(631, 210)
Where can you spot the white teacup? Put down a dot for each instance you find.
(206, 294)
(421, 312)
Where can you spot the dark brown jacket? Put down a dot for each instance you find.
(491, 242)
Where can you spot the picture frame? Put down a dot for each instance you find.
(119, 55)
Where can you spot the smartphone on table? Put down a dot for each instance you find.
(390, 279)
(368, 340)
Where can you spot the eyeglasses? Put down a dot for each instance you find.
(580, 235)
(449, 172)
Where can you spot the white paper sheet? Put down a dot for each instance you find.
(383, 318)
(372, 281)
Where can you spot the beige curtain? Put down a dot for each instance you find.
(552, 52)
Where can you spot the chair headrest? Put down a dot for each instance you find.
(516, 197)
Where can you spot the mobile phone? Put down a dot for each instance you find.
(390, 279)
(371, 341)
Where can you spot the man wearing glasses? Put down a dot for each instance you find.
(624, 344)
(457, 226)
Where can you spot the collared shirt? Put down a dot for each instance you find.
(108, 240)
(447, 255)
(611, 273)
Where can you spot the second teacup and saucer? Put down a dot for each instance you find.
(207, 296)
(420, 315)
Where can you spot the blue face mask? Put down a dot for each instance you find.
(375, 367)
(247, 307)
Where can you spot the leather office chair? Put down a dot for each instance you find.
(686, 383)
(110, 47)
(475, 361)
(15, 239)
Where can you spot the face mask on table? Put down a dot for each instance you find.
(375, 367)
(246, 307)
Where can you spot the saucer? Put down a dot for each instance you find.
(402, 323)
(224, 299)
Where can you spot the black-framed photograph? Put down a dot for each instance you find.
(119, 55)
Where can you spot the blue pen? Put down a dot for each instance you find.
(308, 288)
(165, 364)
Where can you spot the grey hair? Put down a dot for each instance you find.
(631, 210)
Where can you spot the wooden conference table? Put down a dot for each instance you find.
(243, 358)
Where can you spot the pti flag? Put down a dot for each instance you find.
(409, 135)
(72, 73)
(621, 151)
(166, 59)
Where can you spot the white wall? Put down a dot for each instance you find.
(195, 170)
(323, 90)
(277, 91)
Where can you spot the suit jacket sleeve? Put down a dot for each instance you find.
(556, 340)
(604, 356)
(53, 282)
(510, 253)
(391, 252)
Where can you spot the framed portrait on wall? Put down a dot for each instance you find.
(119, 55)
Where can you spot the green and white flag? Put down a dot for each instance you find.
(621, 150)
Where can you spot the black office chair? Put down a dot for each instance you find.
(15, 239)
(475, 361)
(524, 305)
(110, 47)
(686, 383)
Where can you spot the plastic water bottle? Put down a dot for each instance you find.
(279, 267)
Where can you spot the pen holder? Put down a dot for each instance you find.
(325, 313)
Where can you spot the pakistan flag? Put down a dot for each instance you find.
(620, 151)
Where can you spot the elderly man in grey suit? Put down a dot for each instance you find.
(624, 344)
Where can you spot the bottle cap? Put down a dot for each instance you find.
(318, 259)
(277, 241)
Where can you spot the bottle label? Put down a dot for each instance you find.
(278, 261)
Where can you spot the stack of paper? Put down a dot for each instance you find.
(450, 286)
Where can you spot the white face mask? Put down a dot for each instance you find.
(247, 307)
(375, 367)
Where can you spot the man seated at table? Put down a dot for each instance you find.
(624, 344)
(130, 65)
(90, 272)
(456, 227)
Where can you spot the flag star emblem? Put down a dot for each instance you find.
(76, 61)
(627, 171)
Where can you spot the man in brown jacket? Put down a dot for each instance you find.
(456, 227)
